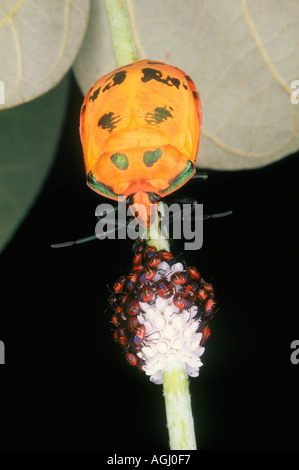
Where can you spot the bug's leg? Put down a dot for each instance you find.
(180, 199)
(212, 216)
(188, 214)
(185, 205)
(181, 202)
(199, 176)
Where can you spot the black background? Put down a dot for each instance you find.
(66, 383)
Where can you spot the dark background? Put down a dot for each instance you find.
(66, 383)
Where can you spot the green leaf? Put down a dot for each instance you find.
(29, 138)
(39, 40)
(243, 57)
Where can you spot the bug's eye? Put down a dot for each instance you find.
(154, 197)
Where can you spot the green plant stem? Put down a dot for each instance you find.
(175, 380)
(121, 32)
(153, 235)
(178, 407)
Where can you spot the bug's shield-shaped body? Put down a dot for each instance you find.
(140, 128)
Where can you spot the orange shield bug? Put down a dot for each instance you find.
(140, 127)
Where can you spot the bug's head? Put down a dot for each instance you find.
(144, 206)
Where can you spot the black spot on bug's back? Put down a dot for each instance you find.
(159, 115)
(94, 95)
(116, 79)
(83, 108)
(154, 74)
(195, 95)
(108, 121)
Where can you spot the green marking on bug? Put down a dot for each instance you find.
(150, 157)
(101, 187)
(159, 115)
(120, 160)
(181, 178)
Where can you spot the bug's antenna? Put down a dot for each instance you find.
(216, 216)
(193, 202)
(87, 239)
(76, 242)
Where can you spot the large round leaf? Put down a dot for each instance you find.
(243, 57)
(39, 42)
(29, 138)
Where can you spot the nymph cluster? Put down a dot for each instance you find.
(161, 311)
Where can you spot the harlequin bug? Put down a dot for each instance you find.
(179, 277)
(118, 310)
(114, 320)
(202, 294)
(131, 280)
(137, 258)
(209, 288)
(120, 314)
(146, 294)
(131, 358)
(149, 251)
(119, 284)
(209, 307)
(193, 272)
(164, 288)
(165, 255)
(120, 336)
(191, 289)
(132, 308)
(137, 268)
(132, 323)
(154, 260)
(206, 332)
(181, 301)
(147, 274)
(139, 333)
